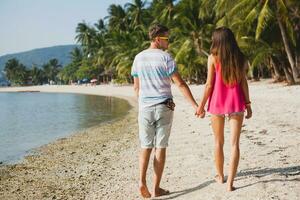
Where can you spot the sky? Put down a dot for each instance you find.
(30, 24)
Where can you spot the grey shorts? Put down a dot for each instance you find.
(155, 125)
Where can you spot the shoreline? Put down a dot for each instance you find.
(83, 166)
(74, 90)
(80, 147)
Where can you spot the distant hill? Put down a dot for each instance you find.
(40, 56)
(2, 77)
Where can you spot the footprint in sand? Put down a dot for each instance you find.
(264, 131)
(259, 143)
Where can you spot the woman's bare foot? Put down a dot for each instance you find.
(230, 188)
(219, 179)
(160, 192)
(144, 191)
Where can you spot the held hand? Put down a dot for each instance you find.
(195, 106)
(249, 112)
(200, 112)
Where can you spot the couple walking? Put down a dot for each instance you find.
(226, 91)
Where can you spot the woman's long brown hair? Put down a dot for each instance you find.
(226, 49)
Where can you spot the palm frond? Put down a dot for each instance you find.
(223, 21)
(261, 56)
(251, 17)
(241, 9)
(183, 50)
(264, 17)
(282, 9)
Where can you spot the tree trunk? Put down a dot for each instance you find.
(198, 45)
(298, 61)
(288, 49)
(288, 76)
(288, 72)
(277, 75)
(255, 73)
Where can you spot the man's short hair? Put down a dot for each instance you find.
(157, 30)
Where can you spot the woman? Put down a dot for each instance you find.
(228, 94)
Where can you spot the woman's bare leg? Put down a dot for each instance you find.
(235, 122)
(217, 123)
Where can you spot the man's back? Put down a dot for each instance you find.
(153, 67)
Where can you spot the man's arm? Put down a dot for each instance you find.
(185, 90)
(136, 86)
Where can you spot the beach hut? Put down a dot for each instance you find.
(106, 76)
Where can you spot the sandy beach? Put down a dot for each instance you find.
(102, 162)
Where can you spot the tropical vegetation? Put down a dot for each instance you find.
(18, 74)
(268, 32)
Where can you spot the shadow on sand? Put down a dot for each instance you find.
(286, 172)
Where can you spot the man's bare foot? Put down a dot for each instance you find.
(219, 179)
(144, 191)
(160, 192)
(230, 188)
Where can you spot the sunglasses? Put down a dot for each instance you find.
(164, 38)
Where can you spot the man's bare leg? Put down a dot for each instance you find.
(143, 162)
(158, 165)
(218, 123)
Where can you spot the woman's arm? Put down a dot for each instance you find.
(245, 89)
(208, 86)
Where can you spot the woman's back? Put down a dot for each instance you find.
(225, 99)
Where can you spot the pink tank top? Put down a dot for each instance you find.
(225, 99)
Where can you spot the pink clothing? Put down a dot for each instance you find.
(225, 99)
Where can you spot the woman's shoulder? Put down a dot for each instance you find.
(211, 57)
(212, 60)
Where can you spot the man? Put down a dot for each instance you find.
(153, 70)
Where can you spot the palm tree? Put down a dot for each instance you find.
(261, 53)
(11, 67)
(125, 46)
(37, 75)
(136, 11)
(194, 25)
(16, 72)
(51, 69)
(118, 20)
(267, 13)
(100, 26)
(21, 75)
(163, 11)
(192, 36)
(85, 35)
(294, 13)
(76, 55)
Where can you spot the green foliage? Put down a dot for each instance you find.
(112, 43)
(109, 46)
(19, 74)
(51, 69)
(16, 72)
(38, 76)
(87, 70)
